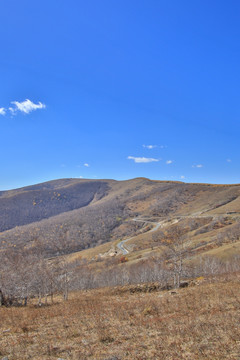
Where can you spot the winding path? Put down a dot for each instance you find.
(120, 245)
(122, 248)
(159, 224)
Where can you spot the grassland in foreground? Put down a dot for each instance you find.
(198, 322)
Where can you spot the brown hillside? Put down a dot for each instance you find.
(70, 215)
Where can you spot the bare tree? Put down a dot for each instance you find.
(175, 245)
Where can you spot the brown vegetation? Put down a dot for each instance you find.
(198, 322)
(88, 213)
(143, 305)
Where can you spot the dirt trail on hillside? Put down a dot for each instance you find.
(161, 223)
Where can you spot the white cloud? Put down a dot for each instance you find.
(80, 177)
(169, 162)
(182, 177)
(154, 146)
(86, 165)
(229, 160)
(142, 159)
(197, 166)
(150, 146)
(2, 111)
(26, 106)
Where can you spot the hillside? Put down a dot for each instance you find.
(34, 203)
(196, 322)
(71, 215)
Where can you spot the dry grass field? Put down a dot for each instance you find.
(198, 322)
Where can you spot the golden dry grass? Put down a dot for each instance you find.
(199, 322)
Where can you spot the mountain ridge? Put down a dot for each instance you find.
(75, 214)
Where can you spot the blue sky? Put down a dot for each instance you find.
(119, 89)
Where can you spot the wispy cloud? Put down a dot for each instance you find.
(229, 160)
(149, 146)
(182, 177)
(86, 165)
(197, 166)
(142, 159)
(154, 146)
(2, 111)
(25, 106)
(168, 162)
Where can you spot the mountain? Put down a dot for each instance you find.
(34, 203)
(70, 215)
